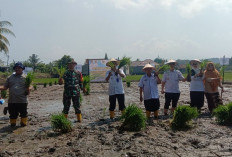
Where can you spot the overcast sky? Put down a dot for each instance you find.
(144, 29)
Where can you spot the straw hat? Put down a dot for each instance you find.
(112, 60)
(195, 61)
(148, 66)
(72, 62)
(171, 61)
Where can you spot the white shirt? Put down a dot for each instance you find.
(149, 85)
(115, 83)
(196, 83)
(171, 79)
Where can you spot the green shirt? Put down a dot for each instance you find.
(17, 88)
(72, 83)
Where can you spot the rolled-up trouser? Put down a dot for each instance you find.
(17, 108)
(213, 100)
(197, 99)
(121, 101)
(171, 97)
(152, 105)
(67, 103)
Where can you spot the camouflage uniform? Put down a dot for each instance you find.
(72, 85)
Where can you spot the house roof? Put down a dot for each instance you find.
(143, 63)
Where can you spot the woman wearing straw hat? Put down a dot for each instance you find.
(196, 85)
(116, 90)
(170, 82)
(149, 88)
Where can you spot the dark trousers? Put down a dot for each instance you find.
(171, 97)
(17, 108)
(67, 104)
(152, 104)
(197, 99)
(121, 101)
(213, 100)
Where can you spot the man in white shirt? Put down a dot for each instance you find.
(116, 90)
(148, 86)
(170, 82)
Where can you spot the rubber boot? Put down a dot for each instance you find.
(111, 114)
(148, 114)
(23, 122)
(66, 115)
(165, 112)
(156, 114)
(13, 122)
(79, 117)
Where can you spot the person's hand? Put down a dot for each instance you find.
(110, 74)
(156, 73)
(222, 89)
(162, 91)
(27, 92)
(84, 90)
(141, 98)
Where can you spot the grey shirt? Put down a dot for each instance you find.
(17, 88)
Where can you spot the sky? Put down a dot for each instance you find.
(144, 29)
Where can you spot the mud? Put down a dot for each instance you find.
(97, 135)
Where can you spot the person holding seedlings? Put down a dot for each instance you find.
(116, 90)
(17, 102)
(212, 81)
(197, 90)
(170, 82)
(72, 85)
(149, 88)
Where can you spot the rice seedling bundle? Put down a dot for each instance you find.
(203, 65)
(124, 61)
(133, 119)
(182, 115)
(223, 114)
(163, 68)
(29, 78)
(60, 123)
(188, 70)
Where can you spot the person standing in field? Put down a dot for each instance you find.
(17, 102)
(116, 90)
(149, 87)
(197, 90)
(212, 81)
(72, 86)
(170, 82)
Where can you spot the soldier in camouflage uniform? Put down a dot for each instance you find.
(72, 85)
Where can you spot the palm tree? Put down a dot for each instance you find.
(4, 43)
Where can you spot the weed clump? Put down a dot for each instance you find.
(223, 114)
(60, 123)
(182, 116)
(133, 119)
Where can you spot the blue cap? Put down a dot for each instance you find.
(19, 64)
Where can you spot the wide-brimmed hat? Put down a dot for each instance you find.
(19, 64)
(72, 62)
(195, 61)
(171, 61)
(112, 60)
(148, 66)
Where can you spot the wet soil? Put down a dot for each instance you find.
(97, 135)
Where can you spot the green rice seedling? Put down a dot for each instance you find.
(60, 123)
(35, 86)
(124, 61)
(188, 70)
(133, 119)
(87, 89)
(3, 93)
(111, 64)
(29, 78)
(60, 71)
(182, 116)
(55, 83)
(203, 65)
(50, 83)
(128, 83)
(45, 84)
(223, 114)
(163, 68)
